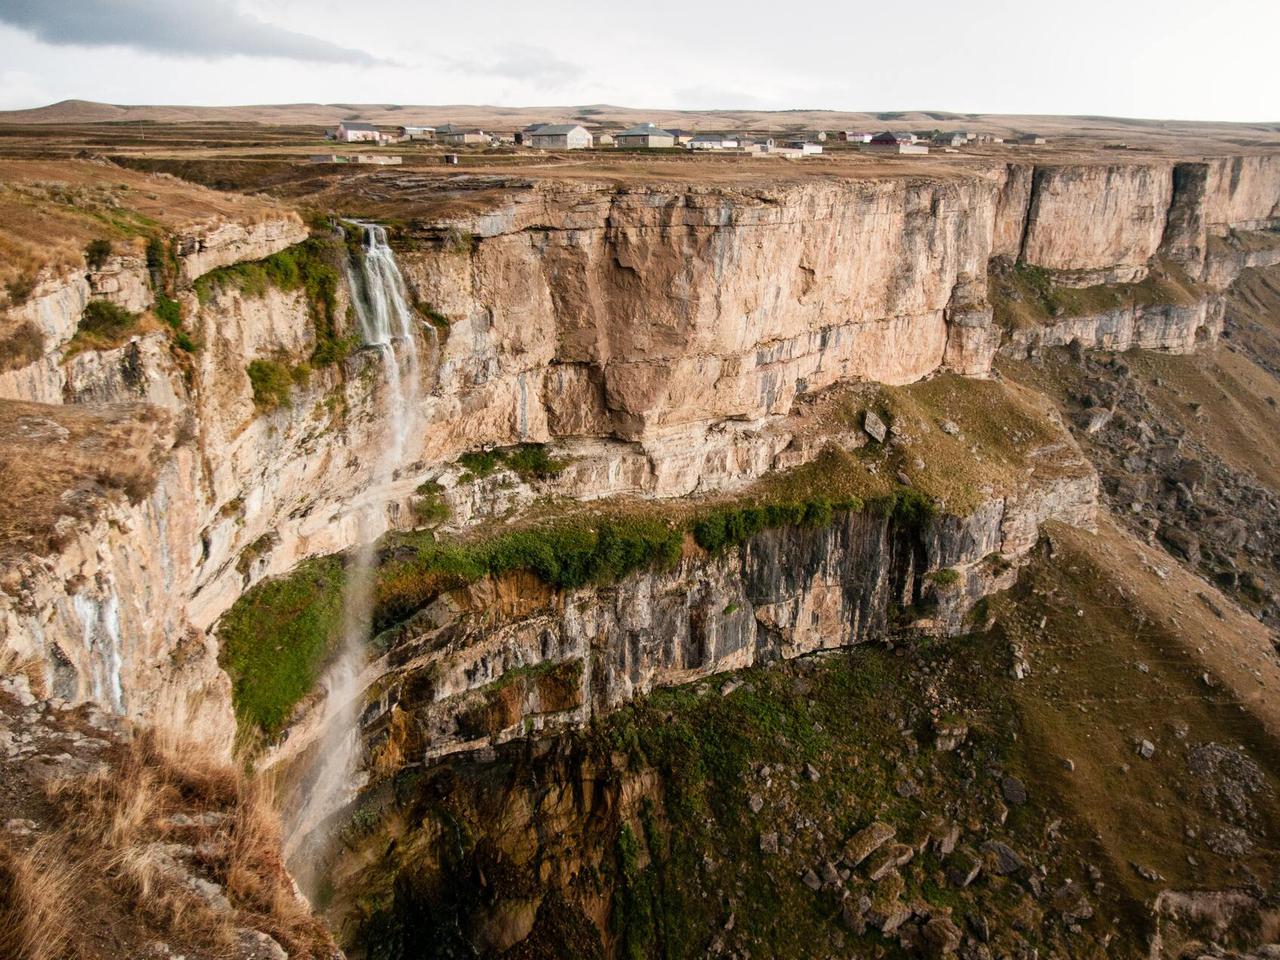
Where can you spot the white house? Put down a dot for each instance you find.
(713, 141)
(645, 135)
(560, 136)
(417, 133)
(806, 148)
(357, 131)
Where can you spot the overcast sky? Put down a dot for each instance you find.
(1183, 59)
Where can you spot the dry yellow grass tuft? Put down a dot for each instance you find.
(35, 887)
(189, 842)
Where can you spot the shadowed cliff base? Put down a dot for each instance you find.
(1023, 812)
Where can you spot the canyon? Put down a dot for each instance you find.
(647, 433)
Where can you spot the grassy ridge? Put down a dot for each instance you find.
(276, 638)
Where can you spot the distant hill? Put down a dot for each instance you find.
(608, 115)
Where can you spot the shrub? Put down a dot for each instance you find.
(271, 382)
(911, 509)
(169, 311)
(20, 289)
(429, 506)
(731, 527)
(24, 346)
(531, 461)
(96, 253)
(103, 325)
(945, 577)
(479, 463)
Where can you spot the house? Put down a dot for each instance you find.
(682, 137)
(560, 136)
(356, 131)
(604, 140)
(416, 133)
(854, 136)
(951, 139)
(713, 141)
(896, 142)
(645, 135)
(806, 148)
(987, 138)
(1031, 138)
(460, 135)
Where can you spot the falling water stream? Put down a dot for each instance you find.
(386, 324)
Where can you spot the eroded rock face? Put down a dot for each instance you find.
(662, 308)
(500, 658)
(660, 333)
(1097, 218)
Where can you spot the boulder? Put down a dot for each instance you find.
(1003, 859)
(876, 428)
(866, 842)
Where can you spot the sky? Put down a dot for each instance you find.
(1163, 59)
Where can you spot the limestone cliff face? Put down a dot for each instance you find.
(54, 310)
(635, 313)
(1097, 218)
(660, 335)
(1243, 192)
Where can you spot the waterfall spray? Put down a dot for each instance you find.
(386, 325)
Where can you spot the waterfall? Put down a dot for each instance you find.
(386, 324)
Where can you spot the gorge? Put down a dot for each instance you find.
(461, 506)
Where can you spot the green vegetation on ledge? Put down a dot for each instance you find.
(1025, 296)
(103, 325)
(530, 460)
(275, 641)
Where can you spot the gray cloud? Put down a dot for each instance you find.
(211, 28)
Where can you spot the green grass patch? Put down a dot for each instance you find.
(531, 461)
(276, 640)
(272, 383)
(733, 526)
(564, 555)
(428, 504)
(103, 325)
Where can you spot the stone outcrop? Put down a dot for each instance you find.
(1172, 328)
(201, 248)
